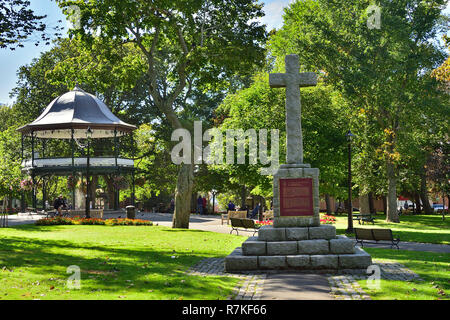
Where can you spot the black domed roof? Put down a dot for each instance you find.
(77, 110)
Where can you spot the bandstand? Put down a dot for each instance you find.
(88, 139)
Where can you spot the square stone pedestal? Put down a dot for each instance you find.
(301, 210)
(300, 248)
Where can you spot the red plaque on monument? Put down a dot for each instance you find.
(296, 198)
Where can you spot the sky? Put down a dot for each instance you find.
(10, 61)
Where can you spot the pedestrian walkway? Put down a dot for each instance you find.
(281, 285)
(14, 219)
(294, 286)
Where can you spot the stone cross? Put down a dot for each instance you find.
(292, 80)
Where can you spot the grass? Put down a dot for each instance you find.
(433, 268)
(116, 262)
(417, 228)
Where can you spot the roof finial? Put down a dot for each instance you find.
(77, 87)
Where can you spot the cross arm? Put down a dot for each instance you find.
(280, 80)
(307, 79)
(277, 80)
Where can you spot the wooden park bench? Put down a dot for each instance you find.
(246, 224)
(94, 213)
(234, 214)
(364, 218)
(375, 235)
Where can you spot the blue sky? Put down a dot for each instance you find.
(10, 61)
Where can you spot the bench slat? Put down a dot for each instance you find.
(364, 234)
(383, 234)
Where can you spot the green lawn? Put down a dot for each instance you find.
(116, 262)
(417, 228)
(433, 268)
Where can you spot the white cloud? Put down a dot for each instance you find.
(274, 13)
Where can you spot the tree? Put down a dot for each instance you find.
(376, 69)
(186, 44)
(18, 22)
(442, 73)
(10, 174)
(260, 107)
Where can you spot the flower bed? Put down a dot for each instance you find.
(92, 221)
(259, 224)
(327, 219)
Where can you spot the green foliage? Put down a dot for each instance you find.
(383, 73)
(18, 22)
(156, 173)
(10, 174)
(260, 107)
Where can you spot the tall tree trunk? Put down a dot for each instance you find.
(383, 197)
(183, 194)
(243, 196)
(364, 207)
(417, 201)
(424, 194)
(371, 204)
(391, 203)
(328, 203)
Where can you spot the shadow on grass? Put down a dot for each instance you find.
(113, 270)
(431, 267)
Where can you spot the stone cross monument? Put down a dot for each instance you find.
(292, 80)
(296, 185)
(296, 241)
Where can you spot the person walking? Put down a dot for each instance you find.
(199, 205)
(205, 210)
(255, 211)
(231, 206)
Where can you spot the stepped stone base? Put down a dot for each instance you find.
(307, 248)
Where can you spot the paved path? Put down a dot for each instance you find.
(309, 285)
(292, 286)
(14, 220)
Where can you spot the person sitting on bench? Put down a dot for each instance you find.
(58, 204)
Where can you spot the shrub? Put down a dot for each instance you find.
(92, 221)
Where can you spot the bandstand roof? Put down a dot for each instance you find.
(77, 110)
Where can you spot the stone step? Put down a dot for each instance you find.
(236, 261)
(270, 233)
(339, 245)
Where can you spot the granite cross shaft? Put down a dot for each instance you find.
(293, 80)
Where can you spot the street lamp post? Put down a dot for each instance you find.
(88, 184)
(350, 135)
(214, 192)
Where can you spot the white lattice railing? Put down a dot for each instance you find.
(82, 162)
